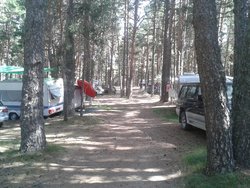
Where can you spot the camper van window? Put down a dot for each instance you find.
(10, 95)
(55, 93)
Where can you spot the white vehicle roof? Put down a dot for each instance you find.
(194, 78)
(189, 78)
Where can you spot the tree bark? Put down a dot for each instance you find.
(87, 57)
(32, 121)
(153, 52)
(124, 51)
(213, 87)
(69, 64)
(241, 87)
(166, 67)
(132, 53)
(147, 64)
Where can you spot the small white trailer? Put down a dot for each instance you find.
(11, 96)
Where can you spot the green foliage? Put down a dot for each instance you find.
(11, 31)
(167, 114)
(195, 163)
(100, 16)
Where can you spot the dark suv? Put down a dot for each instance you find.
(189, 106)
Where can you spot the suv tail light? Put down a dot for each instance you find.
(5, 110)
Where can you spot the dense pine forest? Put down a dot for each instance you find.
(134, 43)
(118, 42)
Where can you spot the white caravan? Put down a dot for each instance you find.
(11, 96)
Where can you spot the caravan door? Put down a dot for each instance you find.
(53, 96)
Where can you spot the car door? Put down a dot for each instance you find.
(180, 103)
(198, 112)
(191, 101)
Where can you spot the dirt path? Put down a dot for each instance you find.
(128, 146)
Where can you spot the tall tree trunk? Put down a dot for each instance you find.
(49, 34)
(51, 21)
(60, 54)
(113, 27)
(179, 42)
(127, 51)
(32, 121)
(213, 87)
(147, 64)
(241, 87)
(166, 67)
(124, 50)
(82, 94)
(153, 52)
(87, 56)
(132, 53)
(69, 64)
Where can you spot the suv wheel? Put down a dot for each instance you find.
(13, 116)
(183, 121)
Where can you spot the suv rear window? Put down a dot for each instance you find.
(188, 91)
(192, 92)
(183, 92)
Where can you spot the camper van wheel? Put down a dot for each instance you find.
(183, 121)
(13, 116)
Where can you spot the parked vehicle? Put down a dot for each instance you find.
(106, 90)
(11, 95)
(99, 90)
(156, 89)
(3, 114)
(189, 106)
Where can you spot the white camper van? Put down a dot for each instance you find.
(11, 96)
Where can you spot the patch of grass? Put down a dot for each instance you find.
(167, 114)
(195, 178)
(92, 120)
(85, 120)
(50, 150)
(54, 149)
(75, 120)
(196, 160)
(104, 107)
(231, 180)
(7, 143)
(14, 155)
